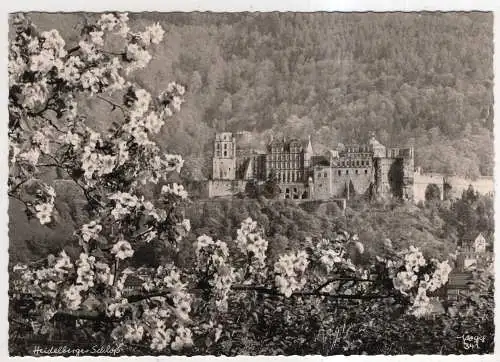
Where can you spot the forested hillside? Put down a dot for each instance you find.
(421, 78)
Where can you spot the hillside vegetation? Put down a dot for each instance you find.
(420, 78)
(434, 227)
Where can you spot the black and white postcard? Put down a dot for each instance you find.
(250, 183)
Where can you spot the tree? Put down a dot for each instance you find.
(432, 192)
(271, 187)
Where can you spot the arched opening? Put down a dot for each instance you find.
(432, 192)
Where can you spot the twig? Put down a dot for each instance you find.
(51, 123)
(19, 199)
(113, 104)
(142, 233)
(17, 186)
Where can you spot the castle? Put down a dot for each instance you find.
(358, 169)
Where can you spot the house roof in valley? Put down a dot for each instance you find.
(460, 280)
(471, 236)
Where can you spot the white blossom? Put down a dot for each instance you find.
(54, 42)
(155, 33)
(122, 250)
(91, 231)
(137, 56)
(44, 212)
(72, 297)
(96, 37)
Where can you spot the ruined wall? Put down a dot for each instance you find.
(422, 181)
(382, 168)
(322, 183)
(294, 191)
(333, 182)
(220, 188)
(483, 185)
(408, 178)
(224, 168)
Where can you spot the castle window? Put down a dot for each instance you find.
(218, 146)
(356, 172)
(366, 172)
(340, 172)
(347, 172)
(225, 146)
(225, 153)
(325, 174)
(357, 164)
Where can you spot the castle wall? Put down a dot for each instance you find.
(408, 178)
(359, 179)
(221, 188)
(322, 183)
(422, 181)
(382, 184)
(483, 185)
(332, 182)
(224, 168)
(295, 191)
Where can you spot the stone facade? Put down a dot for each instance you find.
(359, 169)
(224, 160)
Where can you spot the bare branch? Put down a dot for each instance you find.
(113, 104)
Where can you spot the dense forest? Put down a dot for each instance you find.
(419, 78)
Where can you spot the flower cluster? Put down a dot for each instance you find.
(332, 255)
(90, 231)
(290, 270)
(124, 204)
(122, 250)
(251, 243)
(415, 274)
(116, 23)
(45, 199)
(175, 189)
(162, 320)
(212, 259)
(85, 271)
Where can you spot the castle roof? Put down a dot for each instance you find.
(224, 136)
(287, 144)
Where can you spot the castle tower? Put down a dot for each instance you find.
(308, 153)
(224, 160)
